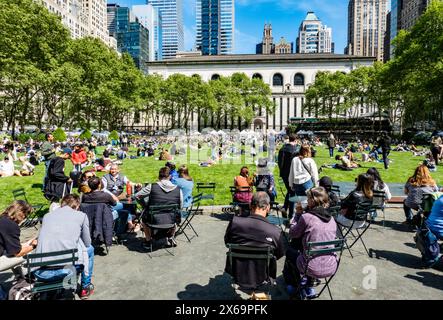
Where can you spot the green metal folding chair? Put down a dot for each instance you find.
(33, 219)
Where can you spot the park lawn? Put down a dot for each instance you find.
(144, 170)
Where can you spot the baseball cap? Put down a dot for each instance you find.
(67, 150)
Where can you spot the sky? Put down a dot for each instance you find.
(284, 15)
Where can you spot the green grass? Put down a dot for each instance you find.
(145, 170)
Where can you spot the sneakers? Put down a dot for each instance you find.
(86, 292)
(308, 293)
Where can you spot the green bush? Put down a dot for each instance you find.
(86, 134)
(23, 137)
(113, 135)
(59, 135)
(39, 137)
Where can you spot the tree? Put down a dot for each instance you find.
(59, 135)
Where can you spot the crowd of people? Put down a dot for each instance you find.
(308, 221)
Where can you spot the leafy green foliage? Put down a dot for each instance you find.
(59, 135)
(113, 135)
(86, 134)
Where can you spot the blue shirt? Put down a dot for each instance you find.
(174, 176)
(186, 187)
(435, 219)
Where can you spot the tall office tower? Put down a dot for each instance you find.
(411, 10)
(82, 18)
(313, 36)
(150, 19)
(171, 14)
(404, 14)
(366, 28)
(215, 20)
(267, 44)
(387, 38)
(132, 37)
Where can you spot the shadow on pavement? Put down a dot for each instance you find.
(222, 216)
(402, 259)
(428, 279)
(220, 288)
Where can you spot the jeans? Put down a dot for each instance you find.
(385, 158)
(118, 207)
(331, 152)
(408, 212)
(300, 189)
(59, 274)
(46, 173)
(289, 193)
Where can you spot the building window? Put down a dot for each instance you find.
(299, 80)
(277, 80)
(257, 76)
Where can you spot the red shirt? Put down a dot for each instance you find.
(79, 157)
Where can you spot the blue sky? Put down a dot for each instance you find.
(284, 15)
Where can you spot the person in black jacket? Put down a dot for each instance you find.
(385, 144)
(254, 230)
(285, 156)
(56, 180)
(362, 193)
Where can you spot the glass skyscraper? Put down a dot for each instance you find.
(215, 20)
(171, 14)
(132, 37)
(151, 20)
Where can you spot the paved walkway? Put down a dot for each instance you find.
(196, 269)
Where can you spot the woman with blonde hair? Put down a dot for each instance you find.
(303, 174)
(11, 250)
(419, 183)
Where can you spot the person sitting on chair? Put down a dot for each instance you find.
(314, 225)
(163, 192)
(256, 231)
(326, 182)
(67, 228)
(56, 180)
(435, 220)
(11, 250)
(362, 193)
(264, 179)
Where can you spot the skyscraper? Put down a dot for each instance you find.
(132, 37)
(171, 14)
(215, 26)
(82, 18)
(404, 14)
(283, 47)
(313, 36)
(151, 20)
(366, 28)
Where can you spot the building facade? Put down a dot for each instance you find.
(171, 14)
(410, 11)
(267, 44)
(283, 47)
(83, 18)
(313, 36)
(132, 37)
(287, 75)
(215, 26)
(366, 28)
(151, 20)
